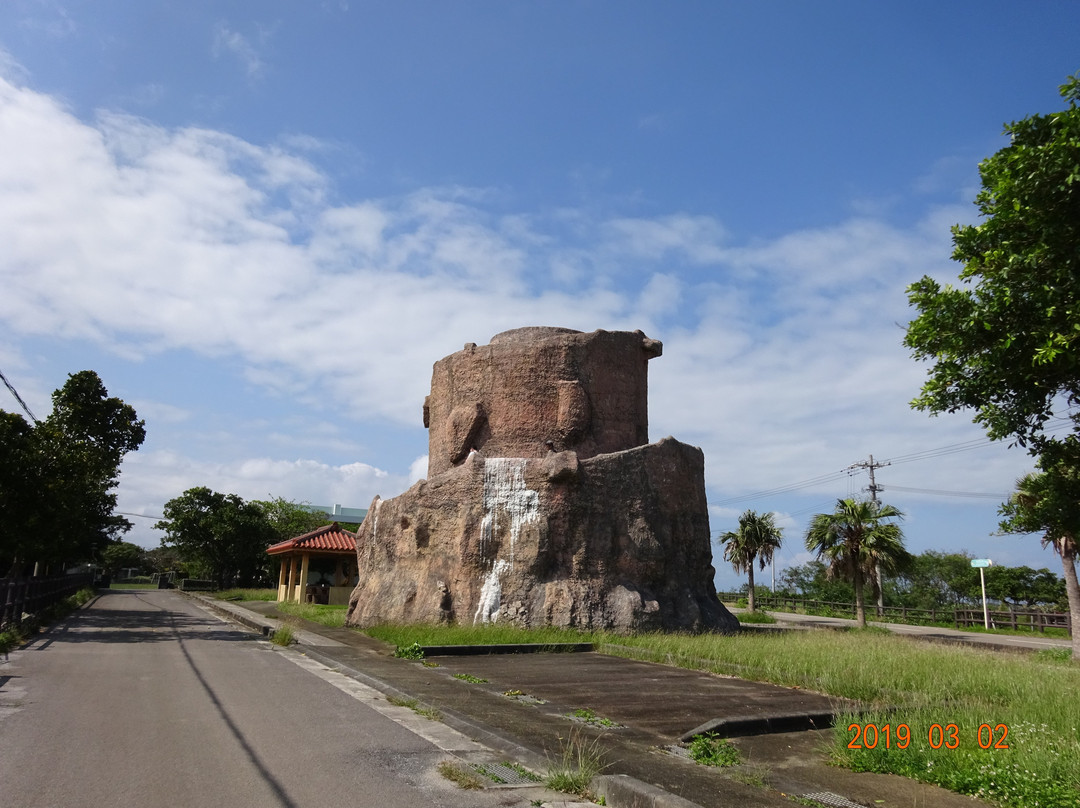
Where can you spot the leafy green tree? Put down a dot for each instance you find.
(58, 502)
(1048, 502)
(935, 579)
(757, 537)
(165, 559)
(122, 555)
(855, 539)
(813, 582)
(1008, 346)
(289, 519)
(220, 533)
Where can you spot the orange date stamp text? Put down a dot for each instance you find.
(898, 736)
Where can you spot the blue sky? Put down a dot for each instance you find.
(261, 223)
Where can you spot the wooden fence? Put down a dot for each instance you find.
(961, 618)
(1033, 621)
(29, 596)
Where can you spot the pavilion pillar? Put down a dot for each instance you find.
(282, 581)
(302, 588)
(293, 594)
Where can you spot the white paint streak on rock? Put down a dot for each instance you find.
(374, 535)
(491, 594)
(505, 492)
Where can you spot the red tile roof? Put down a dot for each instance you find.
(330, 539)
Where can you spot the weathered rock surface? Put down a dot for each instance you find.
(545, 504)
(537, 389)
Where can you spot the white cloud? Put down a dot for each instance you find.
(418, 470)
(783, 359)
(233, 42)
(151, 478)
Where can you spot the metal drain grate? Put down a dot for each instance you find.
(504, 775)
(832, 800)
(677, 750)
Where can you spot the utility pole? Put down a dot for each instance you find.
(873, 489)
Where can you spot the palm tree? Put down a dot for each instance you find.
(1049, 501)
(757, 537)
(855, 539)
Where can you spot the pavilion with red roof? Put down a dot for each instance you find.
(318, 567)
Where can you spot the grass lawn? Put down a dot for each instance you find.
(956, 699)
(115, 585)
(246, 594)
(331, 616)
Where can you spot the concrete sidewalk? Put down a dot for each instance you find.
(524, 709)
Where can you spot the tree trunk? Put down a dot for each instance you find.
(860, 599)
(750, 594)
(1072, 591)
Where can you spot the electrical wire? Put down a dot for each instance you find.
(925, 454)
(18, 398)
(939, 492)
(783, 489)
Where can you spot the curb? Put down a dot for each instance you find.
(624, 791)
(509, 648)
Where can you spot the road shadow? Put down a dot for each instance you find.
(130, 617)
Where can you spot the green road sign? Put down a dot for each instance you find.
(981, 562)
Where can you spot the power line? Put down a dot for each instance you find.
(18, 398)
(939, 492)
(783, 489)
(143, 515)
(926, 454)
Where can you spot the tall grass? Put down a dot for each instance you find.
(330, 616)
(919, 684)
(898, 680)
(246, 594)
(490, 634)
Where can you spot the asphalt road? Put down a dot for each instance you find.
(144, 699)
(1032, 642)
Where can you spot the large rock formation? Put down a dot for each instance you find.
(545, 504)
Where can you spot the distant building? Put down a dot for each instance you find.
(336, 513)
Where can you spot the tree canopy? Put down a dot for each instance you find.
(222, 534)
(57, 476)
(1007, 345)
(289, 519)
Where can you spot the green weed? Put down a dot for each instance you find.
(415, 705)
(283, 636)
(579, 760)
(329, 616)
(587, 716)
(467, 677)
(459, 775)
(414, 651)
(756, 617)
(710, 749)
(246, 594)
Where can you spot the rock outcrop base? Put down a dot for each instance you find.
(545, 503)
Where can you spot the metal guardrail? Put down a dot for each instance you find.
(21, 597)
